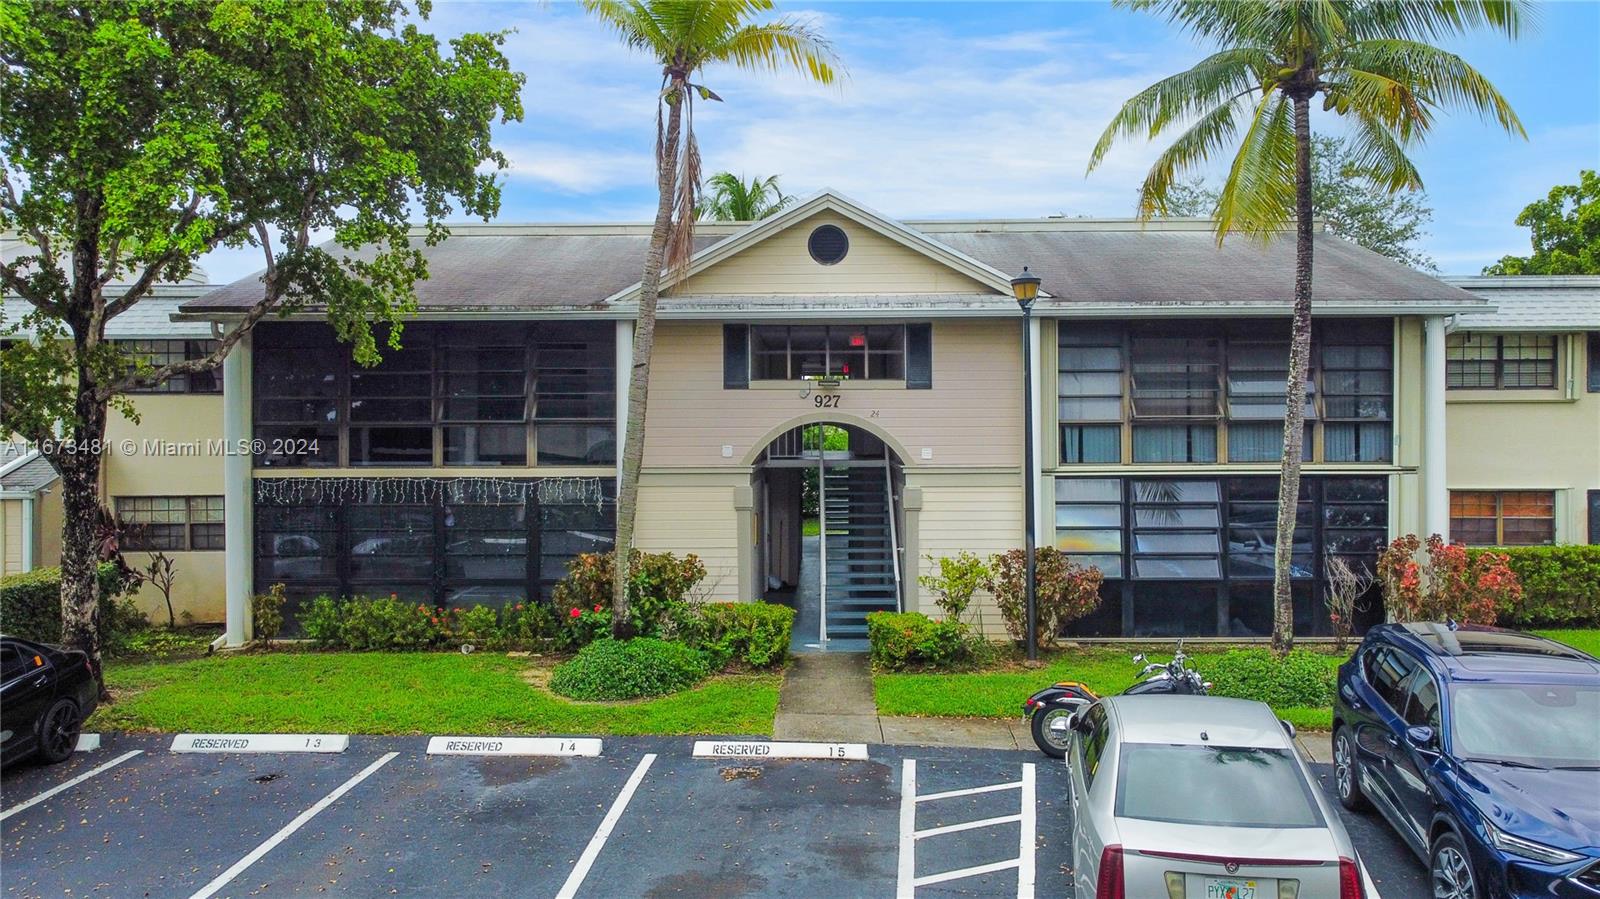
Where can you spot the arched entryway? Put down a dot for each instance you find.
(829, 530)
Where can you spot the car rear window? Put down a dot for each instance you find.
(1217, 785)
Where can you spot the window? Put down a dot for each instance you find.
(1214, 786)
(156, 353)
(1388, 670)
(1093, 743)
(1502, 518)
(1422, 703)
(1594, 361)
(814, 352)
(1500, 361)
(177, 523)
(1358, 394)
(1089, 522)
(1258, 370)
(1089, 385)
(1594, 517)
(455, 394)
(1175, 378)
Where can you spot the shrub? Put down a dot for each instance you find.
(1064, 591)
(580, 627)
(526, 624)
(954, 582)
(1435, 581)
(1560, 585)
(629, 669)
(30, 606)
(320, 620)
(1300, 678)
(477, 625)
(755, 633)
(902, 640)
(387, 623)
(266, 613)
(658, 588)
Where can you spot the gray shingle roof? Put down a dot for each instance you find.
(1533, 303)
(151, 317)
(29, 476)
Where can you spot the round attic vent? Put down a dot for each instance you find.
(828, 244)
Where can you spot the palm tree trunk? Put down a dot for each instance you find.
(644, 336)
(1295, 391)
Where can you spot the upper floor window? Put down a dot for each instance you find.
(1500, 361)
(176, 523)
(816, 352)
(1594, 361)
(1187, 392)
(455, 394)
(156, 353)
(1502, 518)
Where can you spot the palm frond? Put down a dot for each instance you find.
(1210, 134)
(1441, 19)
(632, 21)
(1258, 196)
(787, 43)
(1379, 156)
(1443, 77)
(1197, 91)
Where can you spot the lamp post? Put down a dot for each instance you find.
(1026, 289)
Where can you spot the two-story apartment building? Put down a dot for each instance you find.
(470, 465)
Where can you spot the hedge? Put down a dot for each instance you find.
(900, 640)
(755, 633)
(1560, 585)
(30, 606)
(629, 669)
(1299, 679)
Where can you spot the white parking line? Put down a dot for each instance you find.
(69, 784)
(907, 881)
(289, 829)
(598, 841)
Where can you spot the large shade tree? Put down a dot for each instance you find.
(137, 135)
(1372, 63)
(686, 36)
(730, 198)
(1566, 232)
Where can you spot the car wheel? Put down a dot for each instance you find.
(1347, 772)
(1050, 731)
(58, 731)
(1451, 870)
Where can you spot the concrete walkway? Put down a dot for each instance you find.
(827, 697)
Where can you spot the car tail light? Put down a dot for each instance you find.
(1110, 885)
(1350, 880)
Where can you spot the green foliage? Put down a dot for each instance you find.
(954, 582)
(1566, 232)
(658, 589)
(753, 633)
(387, 622)
(1560, 585)
(30, 606)
(1064, 591)
(901, 640)
(1353, 205)
(320, 620)
(731, 199)
(629, 669)
(478, 626)
(1300, 678)
(164, 644)
(526, 624)
(580, 627)
(266, 613)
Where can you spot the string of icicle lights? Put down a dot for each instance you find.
(425, 491)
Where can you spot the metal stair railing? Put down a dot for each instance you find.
(894, 540)
(822, 544)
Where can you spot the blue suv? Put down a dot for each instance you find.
(1481, 747)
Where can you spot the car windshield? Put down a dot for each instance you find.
(1548, 725)
(1216, 785)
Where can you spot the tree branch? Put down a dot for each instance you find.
(9, 201)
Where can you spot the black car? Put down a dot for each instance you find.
(46, 693)
(1481, 747)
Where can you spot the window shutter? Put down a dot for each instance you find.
(919, 356)
(735, 357)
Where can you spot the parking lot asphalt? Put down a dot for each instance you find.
(643, 819)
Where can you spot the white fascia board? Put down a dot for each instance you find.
(18, 461)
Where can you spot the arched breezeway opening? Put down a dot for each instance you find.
(829, 529)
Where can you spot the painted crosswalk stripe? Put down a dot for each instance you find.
(288, 830)
(69, 784)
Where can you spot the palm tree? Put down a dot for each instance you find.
(733, 200)
(685, 36)
(1373, 65)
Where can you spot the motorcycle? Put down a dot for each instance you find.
(1050, 709)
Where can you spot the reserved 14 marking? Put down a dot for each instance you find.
(567, 746)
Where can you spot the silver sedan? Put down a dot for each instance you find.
(1200, 797)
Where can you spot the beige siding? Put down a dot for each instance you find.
(50, 517)
(782, 264)
(694, 513)
(11, 536)
(1531, 440)
(198, 589)
(980, 513)
(972, 416)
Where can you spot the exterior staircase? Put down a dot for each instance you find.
(859, 549)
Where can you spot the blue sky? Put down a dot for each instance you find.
(982, 110)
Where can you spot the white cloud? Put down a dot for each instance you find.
(574, 169)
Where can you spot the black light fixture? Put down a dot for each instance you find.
(1026, 289)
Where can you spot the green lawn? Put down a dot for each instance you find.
(999, 693)
(407, 693)
(810, 527)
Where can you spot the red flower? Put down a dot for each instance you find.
(394, 596)
(597, 608)
(576, 613)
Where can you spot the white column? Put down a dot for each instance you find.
(1435, 493)
(236, 491)
(624, 378)
(1043, 515)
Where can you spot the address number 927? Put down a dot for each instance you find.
(825, 400)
